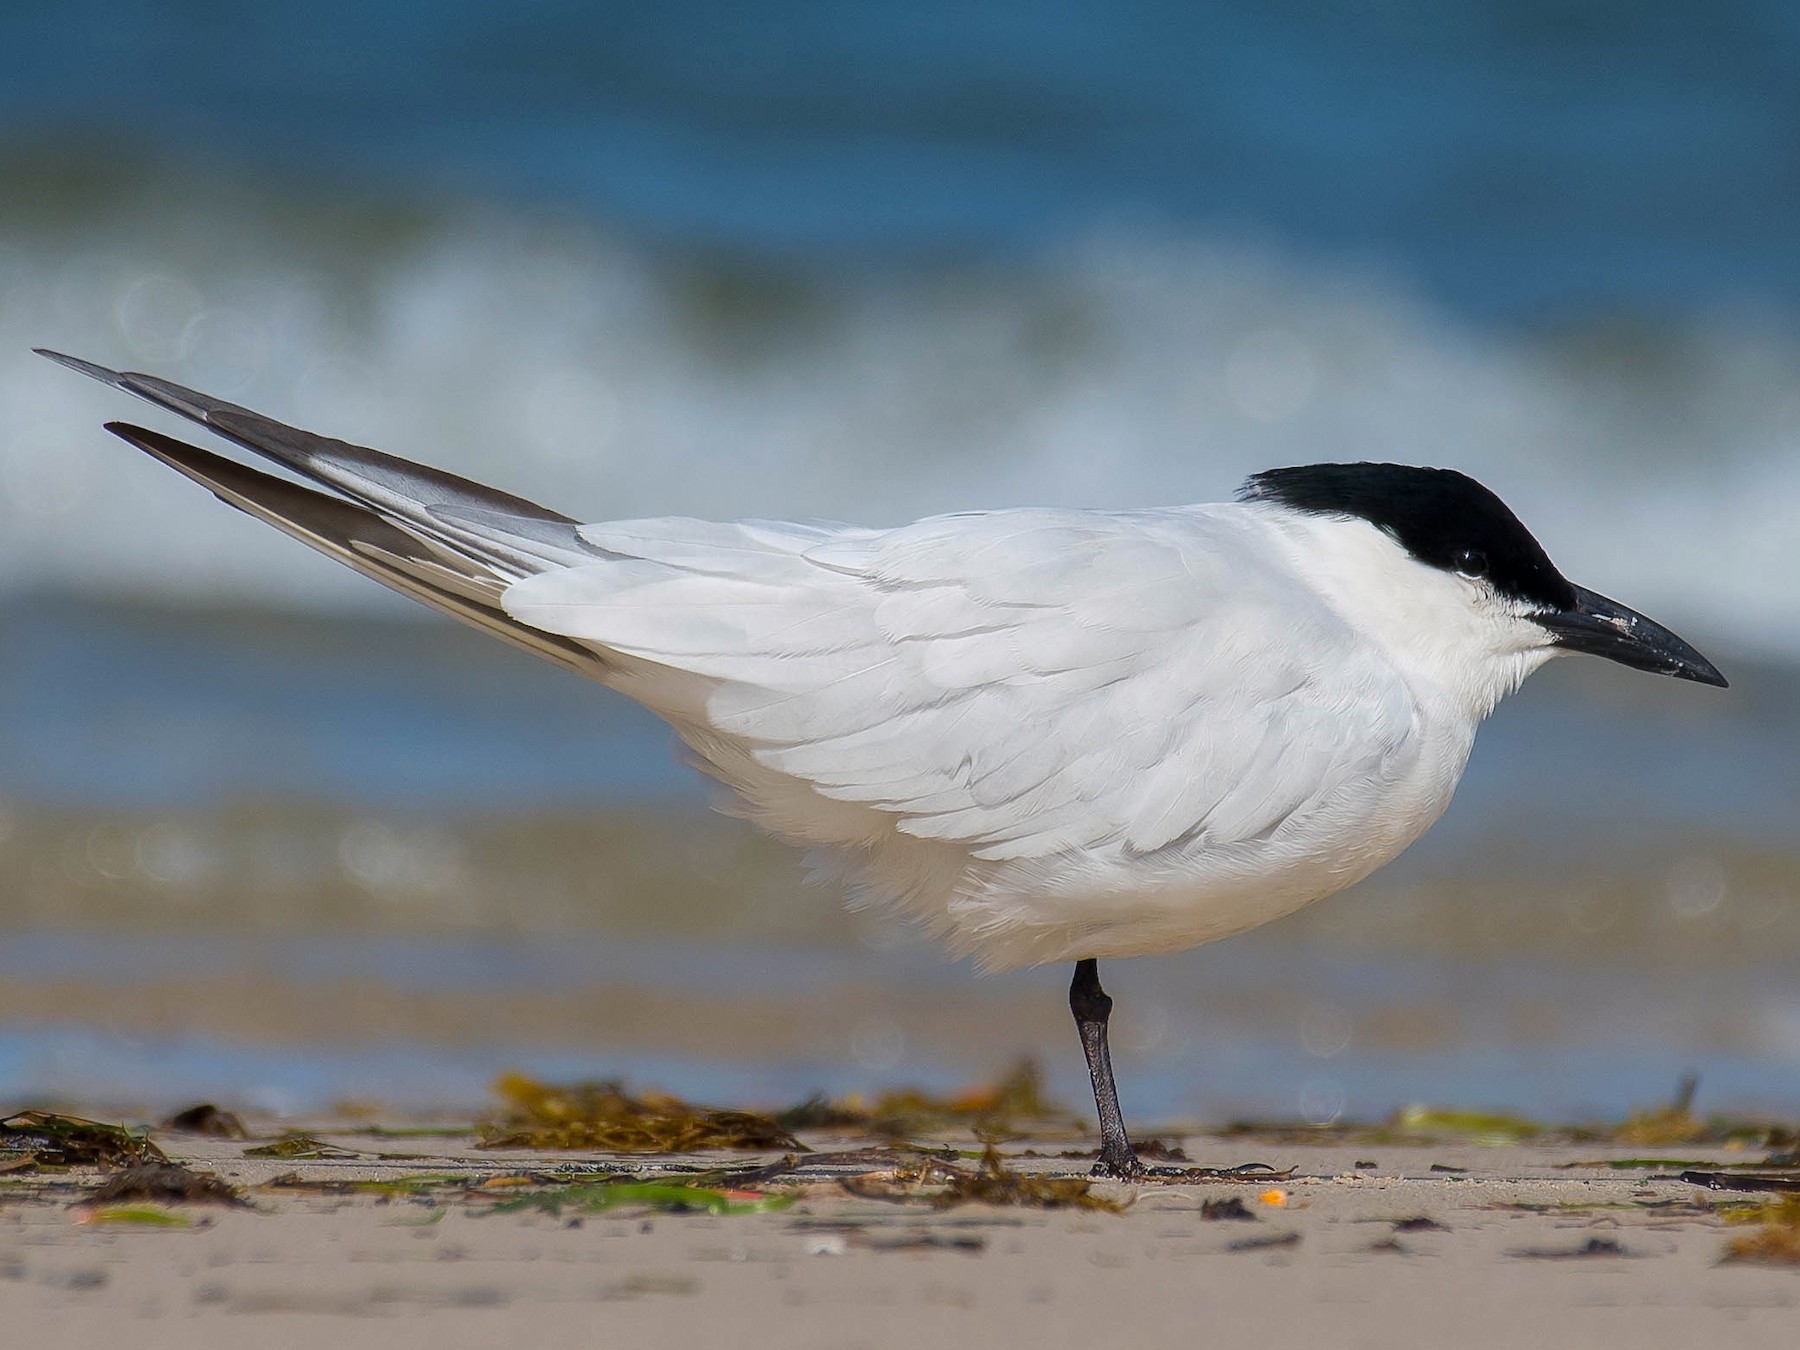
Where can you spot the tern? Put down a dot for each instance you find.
(1045, 735)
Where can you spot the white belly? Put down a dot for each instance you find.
(1111, 902)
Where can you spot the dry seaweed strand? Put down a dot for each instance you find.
(300, 1147)
(603, 1117)
(1776, 1242)
(663, 1197)
(1674, 1123)
(1015, 1099)
(44, 1139)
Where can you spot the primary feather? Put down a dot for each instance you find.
(1046, 734)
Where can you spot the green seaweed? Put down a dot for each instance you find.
(145, 1215)
(1492, 1128)
(303, 1147)
(665, 1197)
(415, 1183)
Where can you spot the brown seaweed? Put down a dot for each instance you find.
(603, 1117)
(44, 1139)
(165, 1183)
(206, 1119)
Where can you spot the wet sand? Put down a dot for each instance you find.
(1364, 1244)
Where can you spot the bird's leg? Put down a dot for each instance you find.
(1091, 1006)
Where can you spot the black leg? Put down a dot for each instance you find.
(1091, 1006)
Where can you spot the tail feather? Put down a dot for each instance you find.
(509, 533)
(392, 552)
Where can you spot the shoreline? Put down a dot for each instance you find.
(398, 1238)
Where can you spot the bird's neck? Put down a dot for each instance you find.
(1452, 654)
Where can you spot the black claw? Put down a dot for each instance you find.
(1128, 1170)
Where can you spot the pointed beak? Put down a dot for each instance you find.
(1602, 627)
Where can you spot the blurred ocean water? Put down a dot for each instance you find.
(860, 262)
(869, 262)
(1514, 157)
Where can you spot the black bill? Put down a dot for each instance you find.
(1602, 627)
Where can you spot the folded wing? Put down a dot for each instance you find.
(1020, 683)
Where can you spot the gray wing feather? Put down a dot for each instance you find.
(421, 569)
(509, 533)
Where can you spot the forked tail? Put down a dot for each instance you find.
(445, 541)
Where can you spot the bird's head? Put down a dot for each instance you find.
(1434, 566)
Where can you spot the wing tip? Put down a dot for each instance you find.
(171, 450)
(141, 437)
(89, 368)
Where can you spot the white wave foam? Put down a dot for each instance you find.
(1661, 465)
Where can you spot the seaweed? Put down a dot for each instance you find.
(1419, 1223)
(412, 1185)
(44, 1139)
(997, 1184)
(1232, 1207)
(944, 1186)
(665, 1197)
(1261, 1244)
(1776, 1242)
(1594, 1247)
(208, 1120)
(165, 1183)
(603, 1117)
(1494, 1128)
(417, 1186)
(1743, 1181)
(999, 1107)
(147, 1215)
(1674, 1123)
(303, 1147)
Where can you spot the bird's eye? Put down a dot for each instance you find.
(1471, 563)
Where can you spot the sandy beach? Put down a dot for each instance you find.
(378, 1234)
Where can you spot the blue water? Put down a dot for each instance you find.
(1519, 159)
(106, 708)
(1258, 1028)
